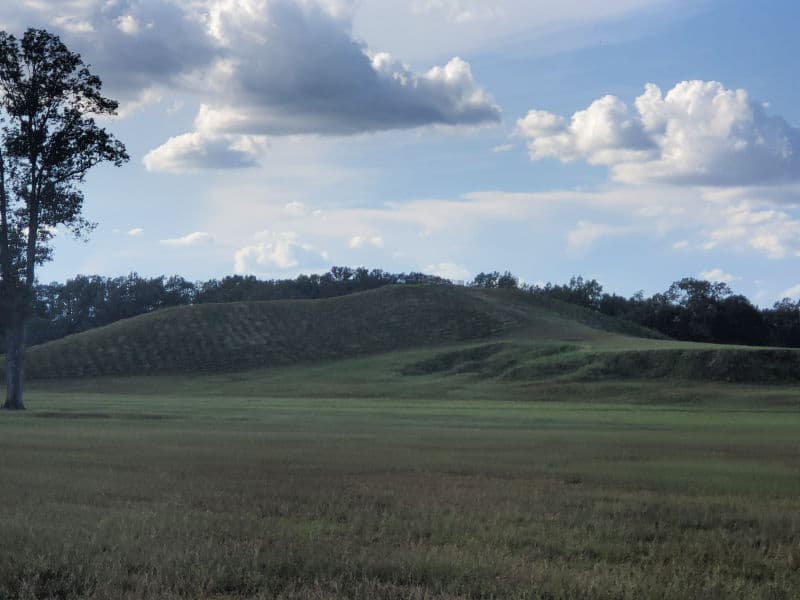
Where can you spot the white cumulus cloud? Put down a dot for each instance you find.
(359, 241)
(769, 231)
(193, 239)
(585, 234)
(281, 250)
(196, 151)
(128, 24)
(698, 133)
(448, 270)
(718, 275)
(792, 292)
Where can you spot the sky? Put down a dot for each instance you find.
(632, 141)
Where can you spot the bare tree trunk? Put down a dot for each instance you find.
(15, 364)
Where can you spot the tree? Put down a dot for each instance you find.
(737, 321)
(698, 301)
(486, 280)
(783, 322)
(49, 142)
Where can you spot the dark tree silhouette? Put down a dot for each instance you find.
(49, 142)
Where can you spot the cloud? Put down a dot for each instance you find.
(585, 234)
(503, 148)
(359, 241)
(196, 151)
(276, 250)
(128, 24)
(136, 231)
(718, 275)
(448, 270)
(699, 133)
(792, 292)
(296, 209)
(140, 100)
(293, 67)
(193, 239)
(463, 231)
(257, 67)
(769, 231)
(459, 11)
(133, 45)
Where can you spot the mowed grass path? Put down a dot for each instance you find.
(167, 488)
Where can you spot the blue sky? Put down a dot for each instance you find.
(634, 141)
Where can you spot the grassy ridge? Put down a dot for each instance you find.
(490, 334)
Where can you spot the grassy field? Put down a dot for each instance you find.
(348, 480)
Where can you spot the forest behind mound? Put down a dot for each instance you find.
(689, 310)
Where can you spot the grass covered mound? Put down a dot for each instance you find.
(485, 334)
(247, 335)
(571, 362)
(739, 365)
(237, 336)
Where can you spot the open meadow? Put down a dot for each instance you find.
(262, 485)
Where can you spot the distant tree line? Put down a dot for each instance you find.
(690, 309)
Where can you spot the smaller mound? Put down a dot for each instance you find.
(521, 362)
(460, 361)
(486, 361)
(736, 365)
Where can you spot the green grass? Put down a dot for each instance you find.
(350, 480)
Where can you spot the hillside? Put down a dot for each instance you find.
(497, 334)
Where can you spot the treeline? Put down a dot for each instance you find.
(690, 309)
(86, 302)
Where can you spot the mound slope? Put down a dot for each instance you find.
(225, 337)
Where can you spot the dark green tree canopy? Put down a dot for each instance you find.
(48, 143)
(50, 140)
